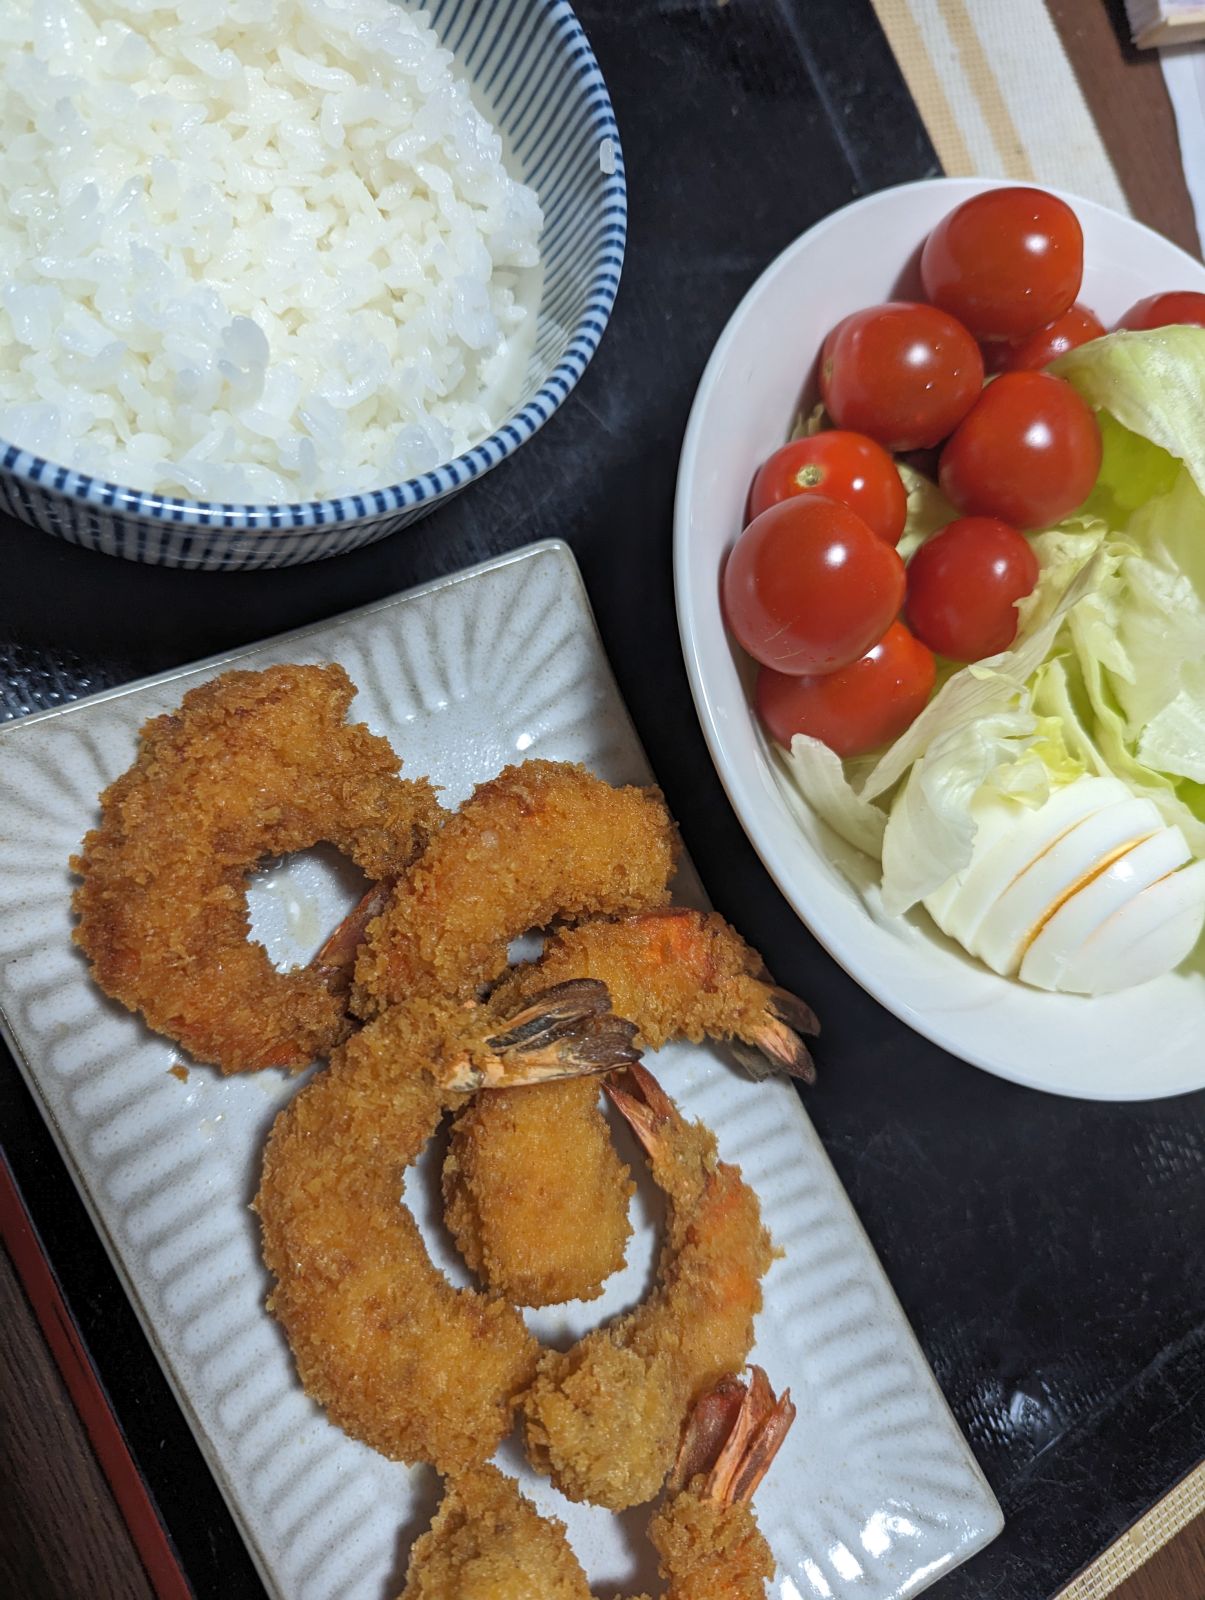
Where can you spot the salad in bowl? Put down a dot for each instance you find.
(965, 606)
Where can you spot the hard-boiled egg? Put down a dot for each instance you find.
(1060, 939)
(1009, 836)
(1054, 893)
(1148, 936)
(1072, 860)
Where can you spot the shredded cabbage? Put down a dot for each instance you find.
(1107, 674)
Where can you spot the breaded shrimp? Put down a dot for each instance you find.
(488, 1542)
(536, 1196)
(534, 1193)
(604, 1417)
(398, 1357)
(680, 974)
(253, 764)
(542, 840)
(709, 1543)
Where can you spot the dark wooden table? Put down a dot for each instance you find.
(60, 1531)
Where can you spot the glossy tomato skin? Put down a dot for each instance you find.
(846, 467)
(1005, 262)
(1028, 453)
(809, 588)
(905, 374)
(1075, 327)
(1166, 310)
(964, 584)
(858, 708)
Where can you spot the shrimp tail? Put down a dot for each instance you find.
(567, 1031)
(733, 1435)
(708, 1426)
(335, 962)
(778, 1047)
(644, 1106)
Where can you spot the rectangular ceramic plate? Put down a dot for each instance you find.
(875, 1494)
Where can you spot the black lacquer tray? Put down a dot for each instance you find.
(1050, 1253)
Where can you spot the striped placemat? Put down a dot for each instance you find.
(998, 94)
(1000, 98)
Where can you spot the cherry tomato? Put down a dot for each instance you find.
(1074, 327)
(809, 588)
(1005, 262)
(995, 355)
(847, 467)
(905, 374)
(1166, 310)
(1028, 453)
(964, 584)
(858, 707)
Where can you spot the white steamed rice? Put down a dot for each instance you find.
(250, 249)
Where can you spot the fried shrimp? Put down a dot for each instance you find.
(534, 1193)
(398, 1357)
(536, 1196)
(604, 1417)
(681, 974)
(488, 1542)
(709, 1543)
(542, 840)
(252, 765)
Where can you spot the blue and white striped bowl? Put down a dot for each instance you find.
(532, 62)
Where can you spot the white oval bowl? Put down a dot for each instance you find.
(1144, 1043)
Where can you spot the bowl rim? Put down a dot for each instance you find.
(51, 478)
(738, 785)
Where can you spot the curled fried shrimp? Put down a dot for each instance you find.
(680, 974)
(542, 840)
(488, 1542)
(603, 1418)
(252, 765)
(535, 1195)
(398, 1357)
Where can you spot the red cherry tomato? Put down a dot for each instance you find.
(857, 708)
(1074, 327)
(995, 355)
(1005, 262)
(1166, 310)
(964, 584)
(905, 374)
(809, 588)
(846, 467)
(1028, 453)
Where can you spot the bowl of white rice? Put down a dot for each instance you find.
(278, 276)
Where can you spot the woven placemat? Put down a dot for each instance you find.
(998, 95)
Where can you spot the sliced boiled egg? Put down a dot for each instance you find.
(1146, 937)
(1072, 860)
(1088, 893)
(1009, 836)
(1064, 933)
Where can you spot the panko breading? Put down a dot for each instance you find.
(603, 1418)
(679, 974)
(542, 840)
(398, 1357)
(252, 765)
(488, 1542)
(536, 1197)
